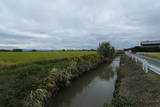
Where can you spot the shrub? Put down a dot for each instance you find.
(105, 49)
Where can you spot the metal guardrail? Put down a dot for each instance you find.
(145, 65)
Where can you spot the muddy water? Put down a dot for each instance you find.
(92, 90)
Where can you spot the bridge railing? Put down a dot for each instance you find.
(145, 65)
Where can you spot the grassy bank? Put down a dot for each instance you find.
(134, 87)
(153, 55)
(31, 85)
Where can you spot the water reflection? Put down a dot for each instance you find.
(91, 90)
(107, 75)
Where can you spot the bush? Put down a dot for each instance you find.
(105, 49)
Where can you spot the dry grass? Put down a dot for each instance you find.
(138, 85)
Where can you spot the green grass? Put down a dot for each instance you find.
(22, 58)
(153, 55)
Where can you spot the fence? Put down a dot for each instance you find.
(145, 65)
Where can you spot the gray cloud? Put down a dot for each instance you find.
(54, 24)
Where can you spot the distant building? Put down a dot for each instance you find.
(150, 43)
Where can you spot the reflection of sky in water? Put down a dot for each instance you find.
(115, 64)
(91, 90)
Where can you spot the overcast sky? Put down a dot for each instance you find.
(55, 24)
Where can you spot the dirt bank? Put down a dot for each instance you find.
(135, 87)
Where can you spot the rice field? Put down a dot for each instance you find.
(157, 55)
(21, 58)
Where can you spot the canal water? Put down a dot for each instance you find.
(92, 90)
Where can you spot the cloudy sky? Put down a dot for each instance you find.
(55, 24)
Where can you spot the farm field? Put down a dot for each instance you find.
(21, 58)
(153, 55)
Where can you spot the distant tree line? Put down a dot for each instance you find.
(34, 50)
(79, 50)
(13, 50)
(4, 50)
(16, 50)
